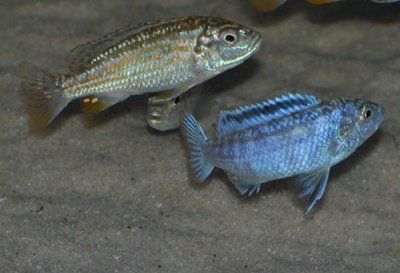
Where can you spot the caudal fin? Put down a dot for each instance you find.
(196, 140)
(44, 96)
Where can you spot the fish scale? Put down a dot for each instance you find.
(130, 72)
(302, 138)
(168, 56)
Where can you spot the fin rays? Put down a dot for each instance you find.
(196, 140)
(44, 98)
(244, 185)
(313, 185)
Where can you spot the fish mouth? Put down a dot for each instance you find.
(255, 45)
(159, 122)
(155, 115)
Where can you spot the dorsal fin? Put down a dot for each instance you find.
(251, 115)
(83, 55)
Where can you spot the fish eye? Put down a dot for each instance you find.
(177, 100)
(229, 37)
(367, 113)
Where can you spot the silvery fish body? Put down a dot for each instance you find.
(269, 5)
(168, 55)
(295, 135)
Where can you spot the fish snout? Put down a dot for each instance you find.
(256, 43)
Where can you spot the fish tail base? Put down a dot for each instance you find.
(43, 94)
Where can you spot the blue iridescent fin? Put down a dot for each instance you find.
(255, 114)
(314, 185)
(83, 55)
(244, 185)
(196, 140)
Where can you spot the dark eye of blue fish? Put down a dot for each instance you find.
(367, 112)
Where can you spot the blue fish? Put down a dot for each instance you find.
(295, 135)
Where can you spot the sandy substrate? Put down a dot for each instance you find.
(105, 193)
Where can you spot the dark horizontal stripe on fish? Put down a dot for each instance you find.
(267, 110)
(254, 134)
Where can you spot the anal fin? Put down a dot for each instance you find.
(99, 102)
(166, 96)
(244, 185)
(313, 185)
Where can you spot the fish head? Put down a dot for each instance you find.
(369, 116)
(225, 44)
(164, 115)
(360, 119)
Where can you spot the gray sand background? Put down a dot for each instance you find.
(105, 193)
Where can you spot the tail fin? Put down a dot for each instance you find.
(196, 140)
(43, 95)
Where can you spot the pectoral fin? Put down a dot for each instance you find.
(313, 185)
(244, 185)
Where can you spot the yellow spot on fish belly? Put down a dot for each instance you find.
(86, 100)
(94, 100)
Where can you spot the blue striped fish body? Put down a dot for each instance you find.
(268, 150)
(291, 136)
